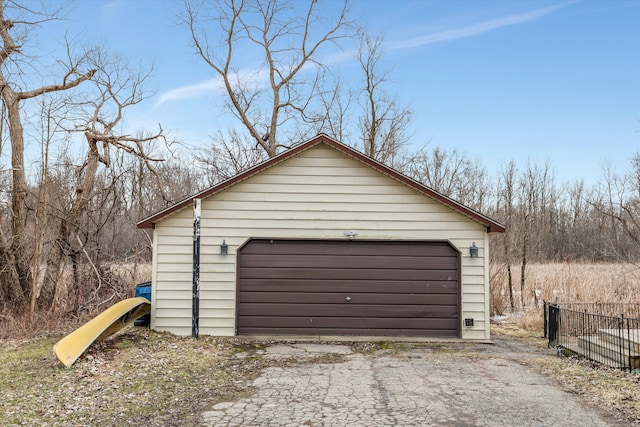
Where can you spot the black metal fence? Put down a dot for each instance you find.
(606, 333)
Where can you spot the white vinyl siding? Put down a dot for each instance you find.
(317, 194)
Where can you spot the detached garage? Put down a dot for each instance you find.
(321, 240)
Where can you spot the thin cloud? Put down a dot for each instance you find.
(195, 90)
(209, 86)
(475, 29)
(114, 6)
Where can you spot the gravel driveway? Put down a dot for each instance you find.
(431, 384)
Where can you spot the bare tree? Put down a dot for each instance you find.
(383, 123)
(228, 155)
(15, 22)
(286, 38)
(617, 201)
(49, 108)
(535, 187)
(334, 112)
(451, 173)
(625, 202)
(505, 209)
(117, 86)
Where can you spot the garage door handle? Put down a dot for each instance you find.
(348, 299)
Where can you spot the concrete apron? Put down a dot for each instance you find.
(343, 338)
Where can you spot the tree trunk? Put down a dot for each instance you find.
(525, 243)
(19, 258)
(69, 228)
(10, 292)
(39, 258)
(510, 282)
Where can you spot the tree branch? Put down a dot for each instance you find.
(56, 88)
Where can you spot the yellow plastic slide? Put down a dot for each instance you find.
(107, 323)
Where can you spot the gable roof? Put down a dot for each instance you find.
(492, 226)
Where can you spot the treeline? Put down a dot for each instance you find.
(546, 220)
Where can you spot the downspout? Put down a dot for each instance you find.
(195, 316)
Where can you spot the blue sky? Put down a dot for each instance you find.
(497, 80)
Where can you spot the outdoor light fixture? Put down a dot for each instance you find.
(473, 250)
(224, 248)
(350, 234)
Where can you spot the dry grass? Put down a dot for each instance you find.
(138, 377)
(565, 282)
(575, 282)
(77, 304)
(586, 282)
(608, 389)
(132, 273)
(35, 325)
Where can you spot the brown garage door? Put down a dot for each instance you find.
(348, 288)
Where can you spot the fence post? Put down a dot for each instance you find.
(544, 310)
(628, 341)
(553, 324)
(586, 327)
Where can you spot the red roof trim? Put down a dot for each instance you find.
(492, 226)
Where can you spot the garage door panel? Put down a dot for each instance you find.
(339, 297)
(445, 333)
(339, 261)
(348, 287)
(347, 274)
(350, 310)
(368, 325)
(361, 248)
